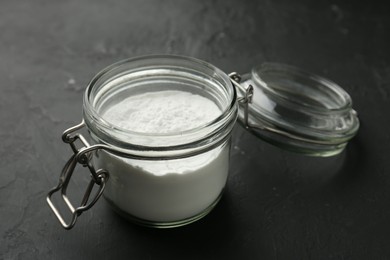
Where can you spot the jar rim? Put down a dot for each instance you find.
(101, 125)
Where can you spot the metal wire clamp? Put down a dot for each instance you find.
(99, 177)
(246, 99)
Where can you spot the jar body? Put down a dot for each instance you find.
(162, 180)
(165, 193)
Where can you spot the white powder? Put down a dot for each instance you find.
(162, 112)
(171, 197)
(170, 190)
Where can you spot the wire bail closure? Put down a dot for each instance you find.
(82, 156)
(246, 99)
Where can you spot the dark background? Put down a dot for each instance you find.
(278, 205)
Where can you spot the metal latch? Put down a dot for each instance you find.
(81, 156)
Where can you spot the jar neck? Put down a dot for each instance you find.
(160, 72)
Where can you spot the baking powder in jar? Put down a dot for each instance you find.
(172, 117)
(167, 190)
(160, 131)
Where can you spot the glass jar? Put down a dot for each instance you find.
(175, 178)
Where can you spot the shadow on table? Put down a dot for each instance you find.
(206, 237)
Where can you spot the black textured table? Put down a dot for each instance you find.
(278, 205)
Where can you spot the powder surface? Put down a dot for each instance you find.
(162, 112)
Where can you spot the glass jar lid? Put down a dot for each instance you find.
(296, 110)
